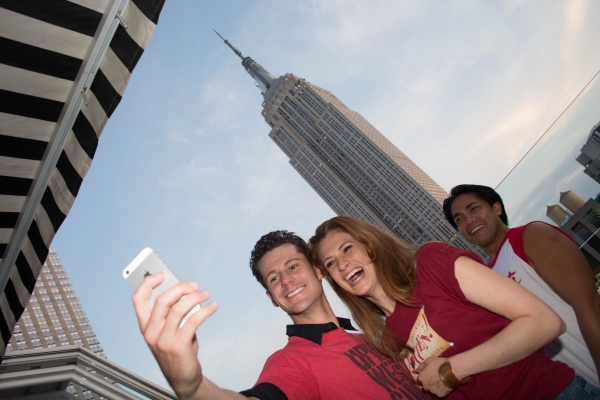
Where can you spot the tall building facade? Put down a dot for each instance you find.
(54, 316)
(354, 168)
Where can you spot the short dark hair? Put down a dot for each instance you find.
(485, 193)
(271, 241)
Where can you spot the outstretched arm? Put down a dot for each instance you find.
(176, 349)
(533, 324)
(559, 262)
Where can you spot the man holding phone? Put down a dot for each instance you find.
(320, 361)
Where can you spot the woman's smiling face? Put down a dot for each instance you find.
(348, 262)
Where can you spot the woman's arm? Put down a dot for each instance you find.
(533, 324)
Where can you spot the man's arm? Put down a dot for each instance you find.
(559, 262)
(176, 349)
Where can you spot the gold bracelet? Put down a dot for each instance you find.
(447, 376)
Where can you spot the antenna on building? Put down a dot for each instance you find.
(236, 51)
(261, 76)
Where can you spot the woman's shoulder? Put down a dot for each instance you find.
(430, 246)
(444, 252)
(435, 269)
(432, 256)
(435, 249)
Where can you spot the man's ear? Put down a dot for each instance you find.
(271, 298)
(497, 208)
(319, 273)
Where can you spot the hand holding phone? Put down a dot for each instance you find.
(149, 263)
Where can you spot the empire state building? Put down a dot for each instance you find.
(354, 168)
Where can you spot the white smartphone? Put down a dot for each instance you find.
(148, 263)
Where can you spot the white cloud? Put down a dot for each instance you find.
(565, 183)
(189, 173)
(177, 136)
(521, 119)
(575, 15)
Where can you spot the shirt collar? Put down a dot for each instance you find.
(314, 332)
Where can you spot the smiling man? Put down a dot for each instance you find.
(544, 260)
(320, 361)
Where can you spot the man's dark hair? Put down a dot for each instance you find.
(271, 241)
(485, 193)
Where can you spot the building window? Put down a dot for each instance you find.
(580, 230)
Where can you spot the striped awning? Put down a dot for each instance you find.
(64, 66)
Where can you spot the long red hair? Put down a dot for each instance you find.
(396, 269)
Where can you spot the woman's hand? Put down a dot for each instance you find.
(429, 377)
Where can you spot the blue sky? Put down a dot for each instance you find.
(185, 164)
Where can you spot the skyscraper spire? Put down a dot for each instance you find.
(263, 78)
(236, 51)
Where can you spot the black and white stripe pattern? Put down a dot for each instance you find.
(64, 66)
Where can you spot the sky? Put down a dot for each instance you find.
(185, 164)
(549, 168)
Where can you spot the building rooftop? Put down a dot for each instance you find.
(51, 373)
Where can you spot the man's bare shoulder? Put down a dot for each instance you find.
(541, 228)
(537, 235)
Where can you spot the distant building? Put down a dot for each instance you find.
(557, 214)
(583, 225)
(571, 201)
(354, 168)
(53, 373)
(590, 154)
(54, 316)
